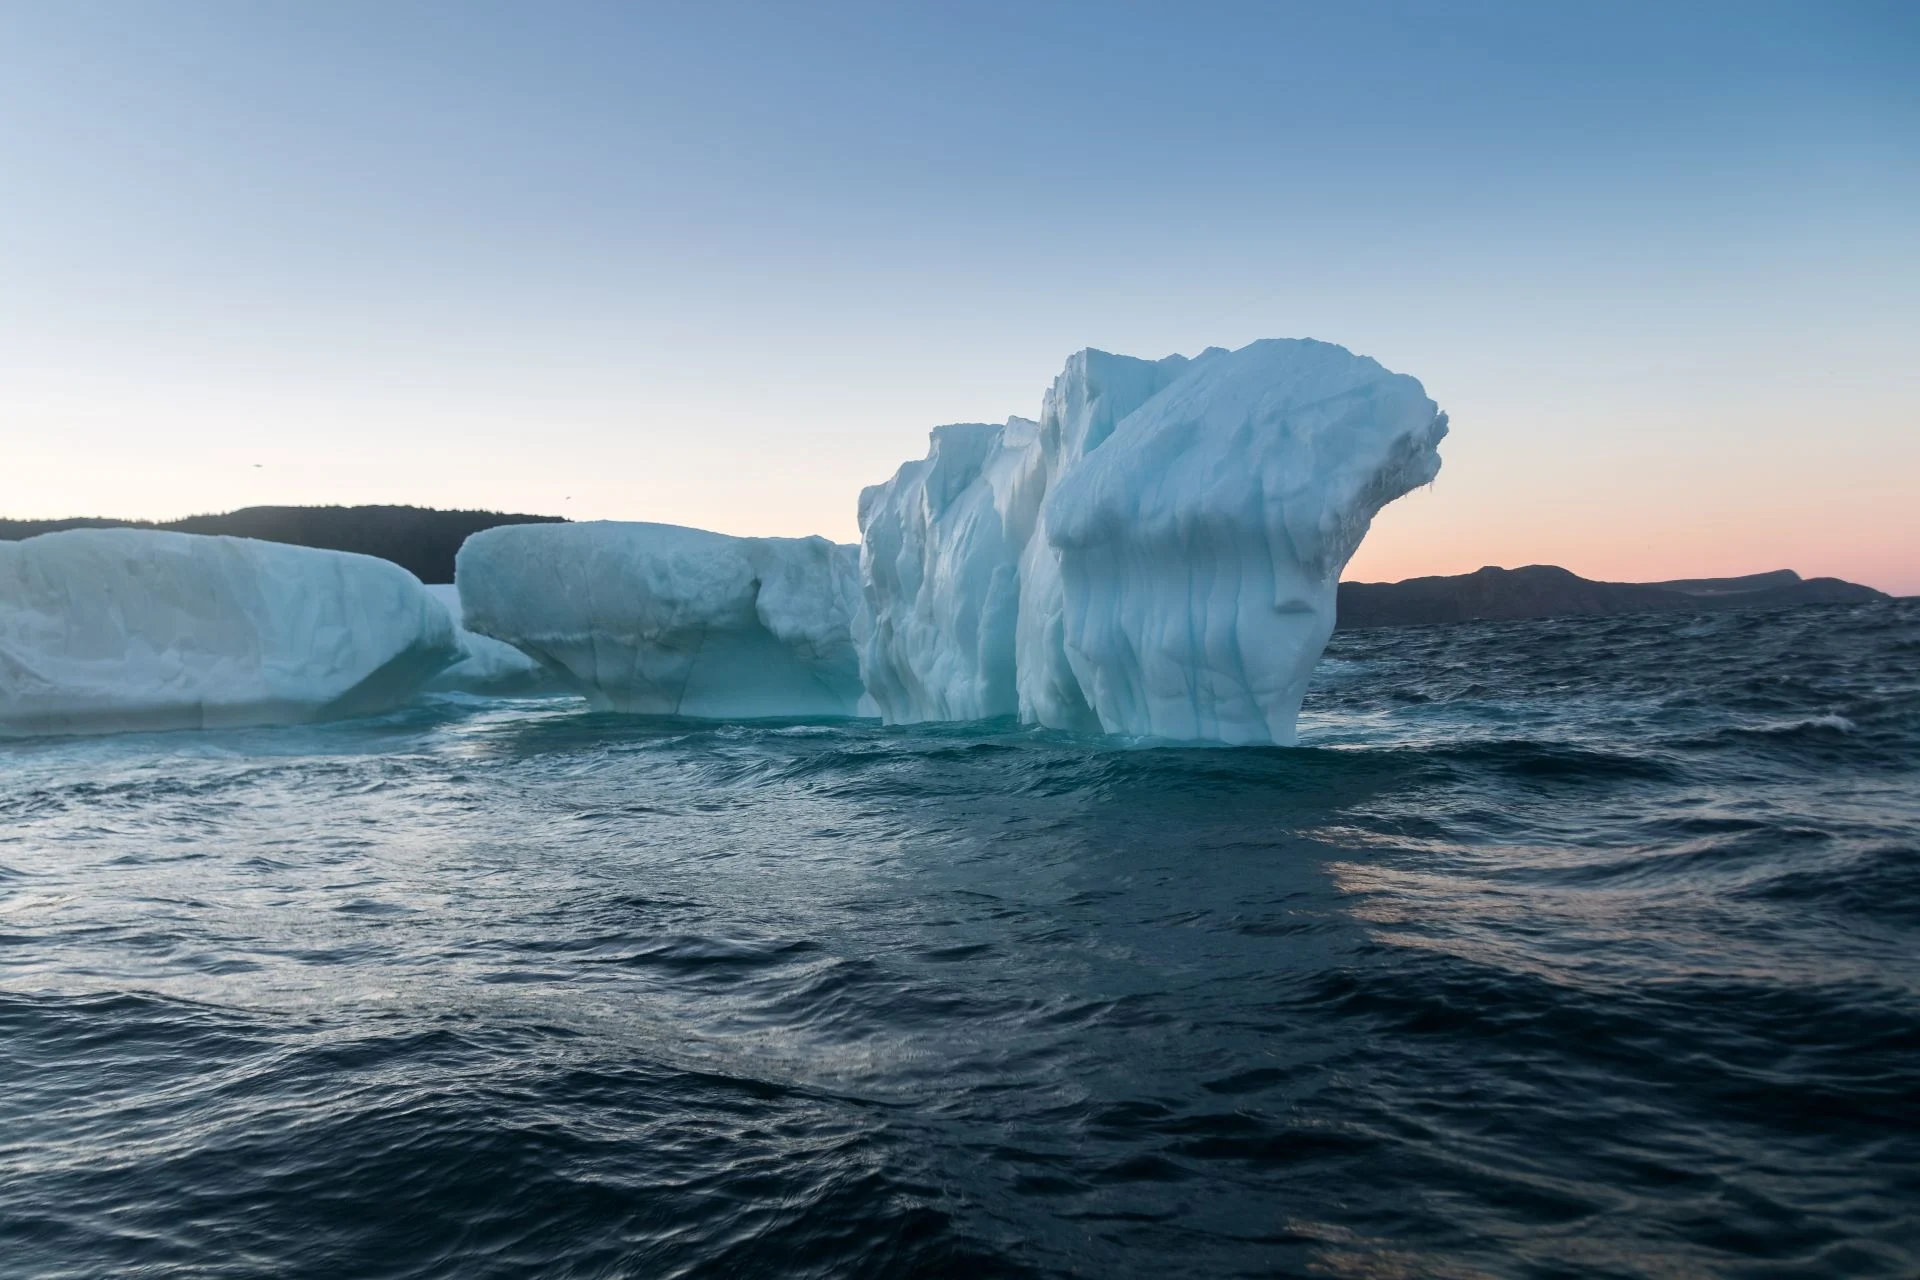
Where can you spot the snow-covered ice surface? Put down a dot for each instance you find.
(489, 667)
(105, 630)
(1157, 556)
(664, 620)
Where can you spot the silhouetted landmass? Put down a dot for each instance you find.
(419, 539)
(1547, 591)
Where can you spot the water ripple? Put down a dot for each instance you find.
(1574, 947)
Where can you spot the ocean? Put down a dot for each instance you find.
(1568, 948)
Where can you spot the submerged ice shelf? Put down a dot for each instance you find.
(105, 630)
(487, 666)
(1157, 556)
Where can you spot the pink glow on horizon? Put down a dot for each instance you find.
(1875, 544)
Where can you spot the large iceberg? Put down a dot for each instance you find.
(663, 620)
(103, 630)
(1157, 556)
(492, 668)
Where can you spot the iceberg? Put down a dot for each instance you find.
(106, 630)
(663, 620)
(488, 667)
(1156, 556)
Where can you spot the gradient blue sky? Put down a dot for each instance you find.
(723, 264)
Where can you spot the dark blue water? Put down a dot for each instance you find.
(1582, 948)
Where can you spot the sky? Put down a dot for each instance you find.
(724, 264)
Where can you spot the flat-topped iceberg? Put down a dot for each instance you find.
(1157, 556)
(487, 666)
(105, 630)
(664, 620)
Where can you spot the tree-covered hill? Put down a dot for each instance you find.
(419, 539)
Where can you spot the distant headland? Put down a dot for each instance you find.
(1547, 591)
(423, 541)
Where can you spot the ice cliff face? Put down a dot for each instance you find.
(1157, 556)
(1090, 398)
(103, 630)
(658, 619)
(940, 558)
(964, 596)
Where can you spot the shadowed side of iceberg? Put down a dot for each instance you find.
(662, 620)
(112, 630)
